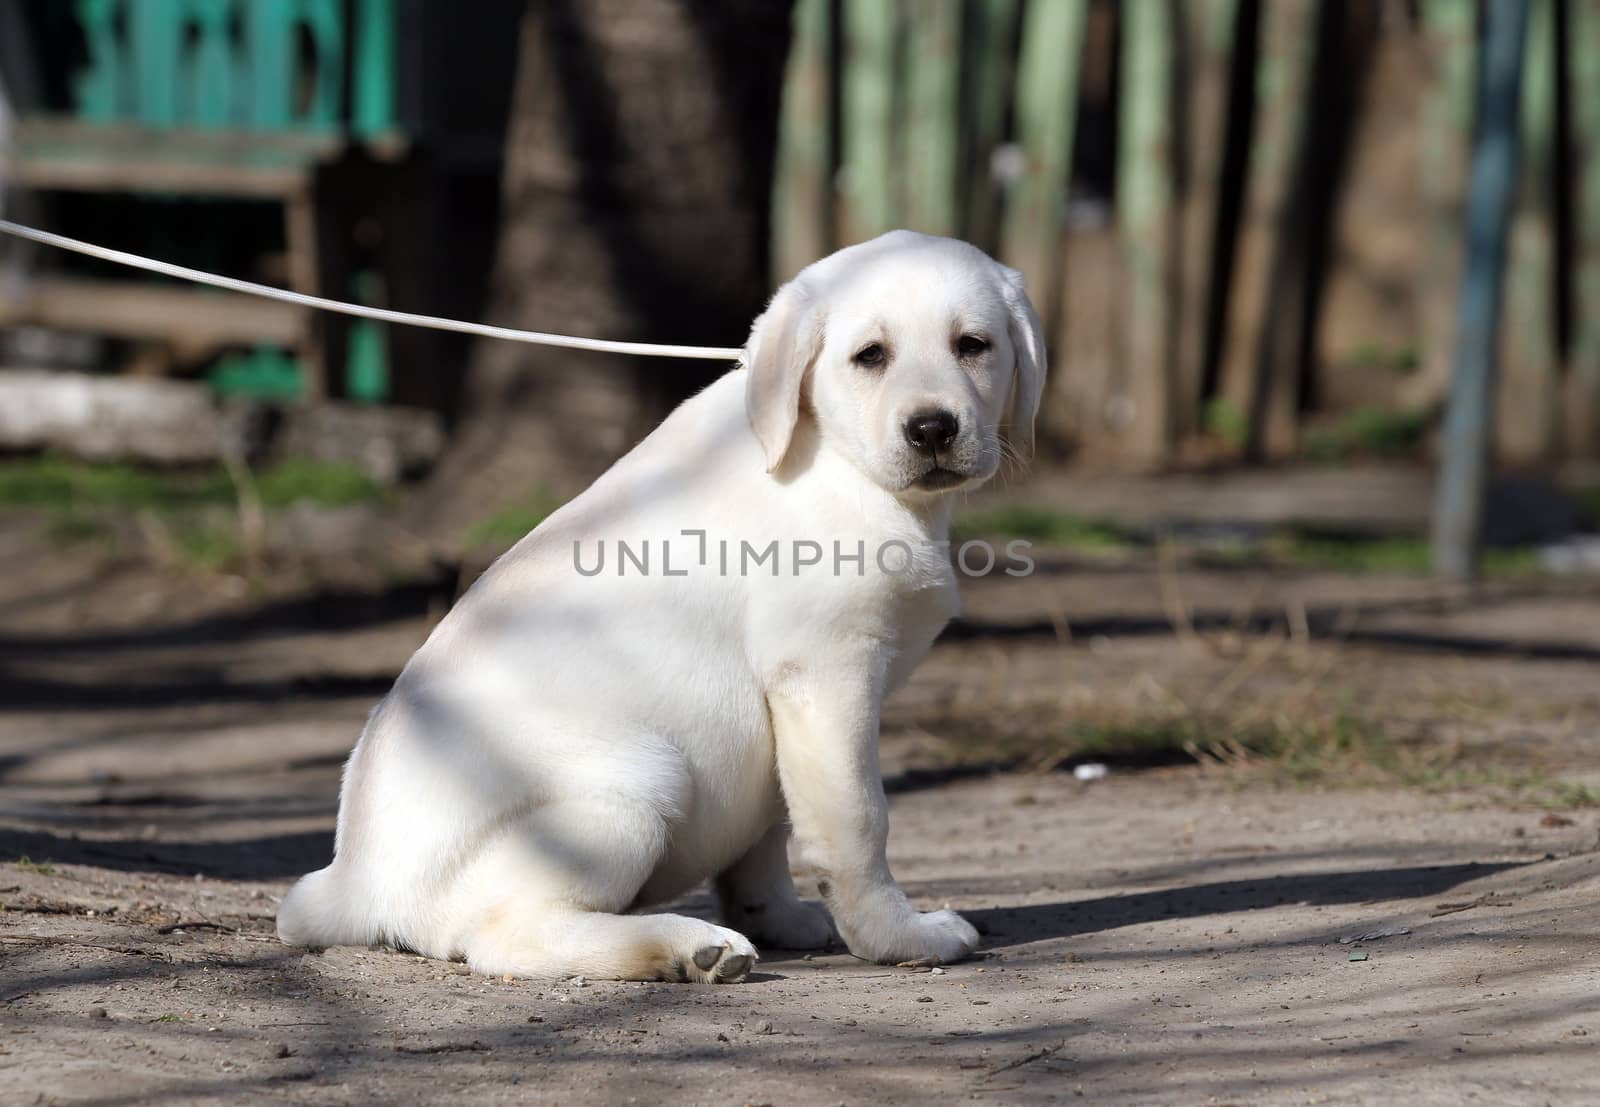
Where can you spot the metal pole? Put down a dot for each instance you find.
(1458, 512)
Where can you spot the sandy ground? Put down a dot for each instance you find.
(169, 755)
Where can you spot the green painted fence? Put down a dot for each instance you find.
(263, 75)
(236, 64)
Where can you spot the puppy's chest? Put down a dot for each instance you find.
(904, 618)
(920, 616)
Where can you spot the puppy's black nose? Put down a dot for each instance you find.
(929, 431)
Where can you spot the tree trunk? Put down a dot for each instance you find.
(639, 162)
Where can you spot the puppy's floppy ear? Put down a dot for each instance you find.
(784, 342)
(1027, 384)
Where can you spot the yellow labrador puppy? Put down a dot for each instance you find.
(681, 670)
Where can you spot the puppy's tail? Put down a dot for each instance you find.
(320, 911)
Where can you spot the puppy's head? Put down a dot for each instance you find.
(919, 358)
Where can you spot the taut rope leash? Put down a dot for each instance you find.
(382, 315)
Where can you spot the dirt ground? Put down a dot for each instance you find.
(169, 756)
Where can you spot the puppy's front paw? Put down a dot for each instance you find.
(727, 959)
(944, 936)
(935, 937)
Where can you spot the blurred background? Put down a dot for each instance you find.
(1243, 223)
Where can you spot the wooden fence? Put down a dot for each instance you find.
(1240, 219)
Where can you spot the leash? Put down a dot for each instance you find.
(382, 315)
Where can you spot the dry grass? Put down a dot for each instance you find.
(1307, 736)
(1286, 708)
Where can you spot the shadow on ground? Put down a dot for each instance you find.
(1005, 927)
(274, 857)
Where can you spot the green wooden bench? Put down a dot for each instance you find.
(228, 99)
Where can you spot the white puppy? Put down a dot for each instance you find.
(684, 666)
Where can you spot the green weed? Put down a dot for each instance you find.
(507, 525)
(1037, 524)
(194, 513)
(1362, 554)
(1226, 422)
(1400, 360)
(1368, 432)
(51, 481)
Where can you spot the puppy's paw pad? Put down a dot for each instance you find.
(727, 963)
(733, 968)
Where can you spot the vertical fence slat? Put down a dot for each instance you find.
(1469, 421)
(1207, 40)
(1147, 225)
(868, 196)
(1086, 408)
(1047, 100)
(803, 188)
(155, 34)
(205, 84)
(933, 64)
(1527, 428)
(372, 111)
(1583, 397)
(1286, 308)
(271, 66)
(991, 72)
(1281, 86)
(1444, 135)
(98, 86)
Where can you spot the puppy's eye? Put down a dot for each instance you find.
(971, 345)
(872, 356)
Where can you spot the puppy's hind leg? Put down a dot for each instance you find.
(551, 890)
(550, 940)
(757, 896)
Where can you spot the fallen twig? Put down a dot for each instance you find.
(1374, 935)
(52, 940)
(314, 1022)
(449, 1047)
(202, 924)
(40, 907)
(1488, 899)
(1028, 1060)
